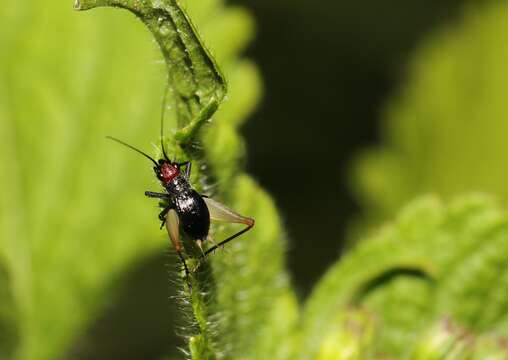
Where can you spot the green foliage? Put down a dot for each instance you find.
(446, 131)
(241, 287)
(74, 217)
(447, 340)
(432, 284)
(63, 234)
(434, 261)
(195, 84)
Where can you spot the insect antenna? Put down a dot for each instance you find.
(133, 148)
(163, 110)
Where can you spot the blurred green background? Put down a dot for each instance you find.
(328, 69)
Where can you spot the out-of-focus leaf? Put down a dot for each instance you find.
(490, 347)
(349, 339)
(71, 220)
(433, 261)
(446, 131)
(446, 341)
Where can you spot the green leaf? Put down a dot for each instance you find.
(230, 301)
(195, 83)
(435, 260)
(490, 347)
(74, 217)
(349, 339)
(64, 238)
(445, 132)
(444, 340)
(252, 283)
(448, 341)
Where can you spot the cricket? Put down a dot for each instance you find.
(184, 209)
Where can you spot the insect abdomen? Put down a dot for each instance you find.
(193, 214)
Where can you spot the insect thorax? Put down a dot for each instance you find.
(177, 186)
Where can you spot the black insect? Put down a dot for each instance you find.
(186, 209)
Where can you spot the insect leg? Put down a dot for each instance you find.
(173, 227)
(157, 195)
(223, 242)
(220, 212)
(162, 215)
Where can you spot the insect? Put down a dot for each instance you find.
(185, 209)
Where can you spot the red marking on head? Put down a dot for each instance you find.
(168, 172)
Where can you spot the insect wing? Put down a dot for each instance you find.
(220, 212)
